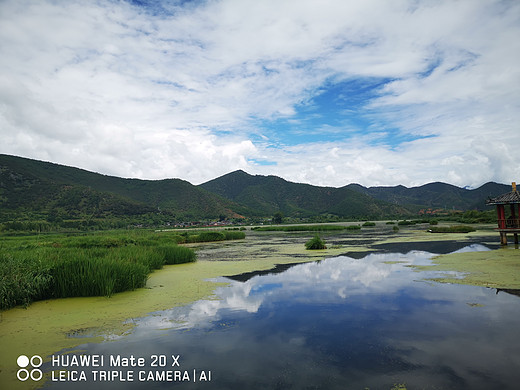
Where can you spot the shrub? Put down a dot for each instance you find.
(369, 224)
(315, 243)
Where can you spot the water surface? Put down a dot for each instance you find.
(342, 323)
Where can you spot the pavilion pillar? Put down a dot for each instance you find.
(503, 238)
(514, 216)
(501, 215)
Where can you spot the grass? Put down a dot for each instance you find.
(452, 229)
(305, 228)
(22, 279)
(207, 236)
(97, 274)
(315, 243)
(100, 264)
(177, 254)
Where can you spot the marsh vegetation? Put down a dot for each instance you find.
(347, 321)
(315, 243)
(335, 304)
(306, 228)
(57, 266)
(452, 229)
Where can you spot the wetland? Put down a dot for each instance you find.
(376, 309)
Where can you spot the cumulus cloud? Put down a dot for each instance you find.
(195, 90)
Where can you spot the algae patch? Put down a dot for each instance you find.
(498, 268)
(390, 262)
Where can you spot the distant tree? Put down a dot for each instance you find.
(278, 218)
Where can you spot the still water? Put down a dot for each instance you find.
(342, 323)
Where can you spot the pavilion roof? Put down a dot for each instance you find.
(510, 197)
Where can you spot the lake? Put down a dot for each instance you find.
(355, 321)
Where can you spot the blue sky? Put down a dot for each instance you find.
(325, 92)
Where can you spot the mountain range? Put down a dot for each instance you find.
(43, 190)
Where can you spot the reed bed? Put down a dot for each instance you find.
(452, 229)
(212, 235)
(300, 228)
(36, 268)
(96, 264)
(23, 279)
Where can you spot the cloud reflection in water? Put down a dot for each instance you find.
(341, 323)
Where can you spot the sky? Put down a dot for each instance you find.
(325, 92)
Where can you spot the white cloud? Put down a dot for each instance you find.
(110, 87)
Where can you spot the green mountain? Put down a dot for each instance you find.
(266, 195)
(435, 195)
(32, 190)
(47, 189)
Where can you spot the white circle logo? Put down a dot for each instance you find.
(22, 374)
(35, 374)
(23, 361)
(36, 361)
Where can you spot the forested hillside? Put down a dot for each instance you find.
(42, 194)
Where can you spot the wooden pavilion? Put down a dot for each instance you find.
(511, 223)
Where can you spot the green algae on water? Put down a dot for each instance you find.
(498, 268)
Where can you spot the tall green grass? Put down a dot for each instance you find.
(35, 268)
(452, 229)
(208, 236)
(23, 279)
(234, 235)
(315, 243)
(300, 228)
(86, 275)
(103, 263)
(176, 254)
